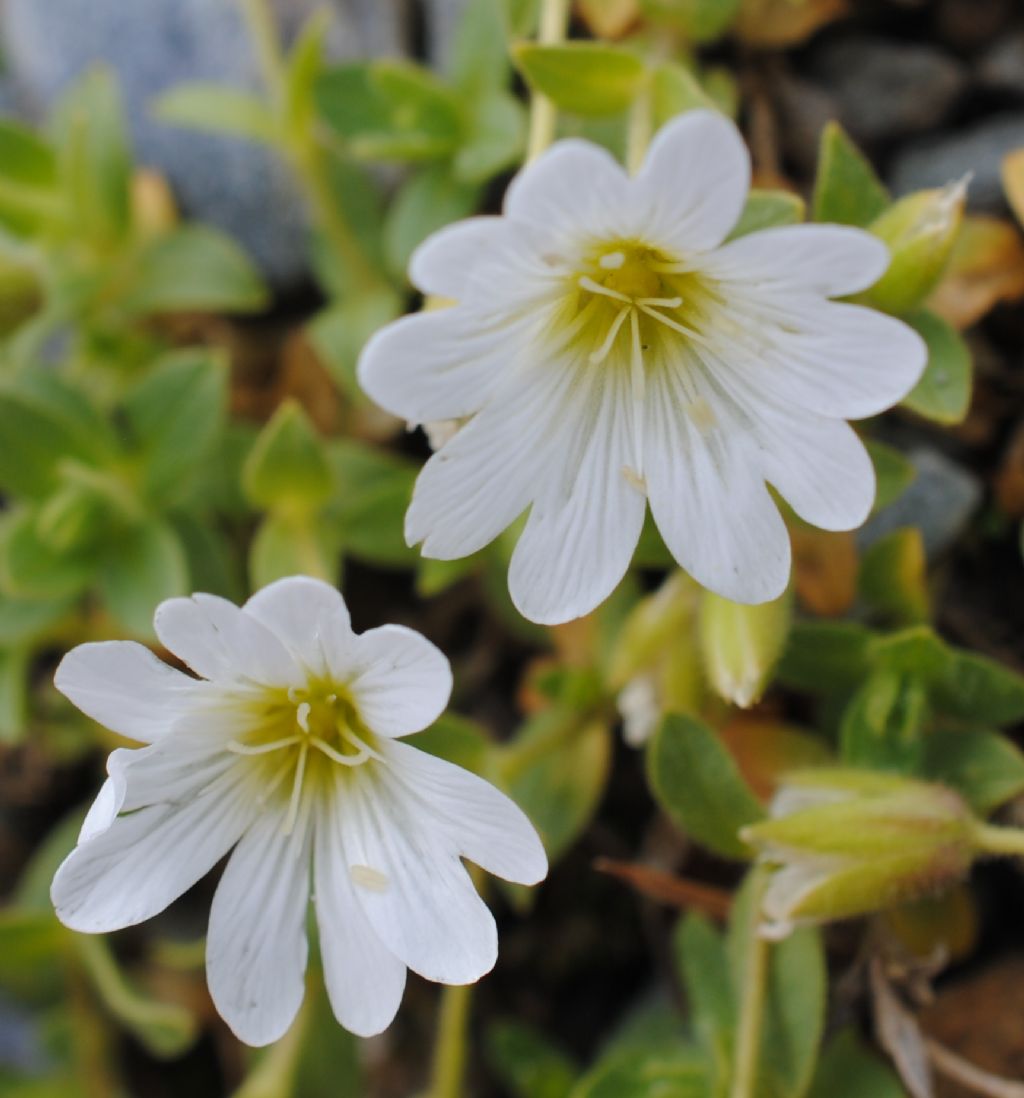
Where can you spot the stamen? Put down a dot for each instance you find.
(346, 760)
(296, 694)
(638, 386)
(587, 283)
(674, 325)
(602, 352)
(613, 261)
(263, 748)
(361, 744)
(275, 781)
(664, 302)
(669, 268)
(293, 804)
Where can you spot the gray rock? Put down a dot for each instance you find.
(979, 150)
(156, 44)
(888, 89)
(939, 501)
(1002, 67)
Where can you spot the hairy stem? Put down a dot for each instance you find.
(748, 1035)
(449, 1066)
(554, 21)
(999, 840)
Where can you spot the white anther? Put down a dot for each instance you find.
(302, 716)
(612, 261)
(369, 878)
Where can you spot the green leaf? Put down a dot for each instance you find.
(527, 1064)
(944, 392)
(427, 201)
(40, 430)
(703, 964)
(698, 20)
(678, 1073)
(460, 741)
(288, 466)
(390, 110)
(177, 413)
(846, 189)
(194, 268)
(141, 567)
(587, 78)
(212, 564)
(495, 141)
(304, 68)
(95, 160)
(338, 333)
(883, 725)
(978, 689)
(369, 505)
(25, 620)
(674, 90)
(33, 948)
(14, 716)
(795, 995)
(31, 568)
(986, 768)
(556, 770)
(892, 579)
(766, 209)
(217, 108)
(478, 61)
(894, 473)
(848, 1070)
(740, 644)
(917, 650)
(289, 545)
(25, 157)
(696, 781)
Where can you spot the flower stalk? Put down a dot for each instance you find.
(449, 1067)
(554, 21)
(751, 1014)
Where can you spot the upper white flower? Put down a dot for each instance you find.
(612, 350)
(286, 751)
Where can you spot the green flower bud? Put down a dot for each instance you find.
(920, 231)
(849, 842)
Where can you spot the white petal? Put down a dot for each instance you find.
(820, 467)
(708, 497)
(413, 889)
(308, 616)
(838, 360)
(587, 517)
(222, 643)
(442, 364)
(123, 686)
(575, 190)
(448, 263)
(145, 860)
(481, 481)
(365, 981)
(693, 182)
(256, 947)
(402, 682)
(483, 824)
(833, 260)
(103, 811)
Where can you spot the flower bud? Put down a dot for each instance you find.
(920, 231)
(654, 664)
(740, 644)
(849, 842)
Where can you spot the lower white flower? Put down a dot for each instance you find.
(610, 350)
(285, 750)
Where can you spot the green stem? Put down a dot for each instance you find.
(752, 1002)
(259, 20)
(450, 1048)
(554, 22)
(999, 840)
(638, 133)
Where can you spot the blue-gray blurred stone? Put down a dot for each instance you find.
(940, 502)
(156, 44)
(20, 1047)
(888, 89)
(978, 150)
(1002, 66)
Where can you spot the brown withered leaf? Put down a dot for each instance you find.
(304, 377)
(825, 568)
(666, 888)
(1009, 481)
(778, 24)
(765, 748)
(985, 268)
(608, 18)
(1013, 181)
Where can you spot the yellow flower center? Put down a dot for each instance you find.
(306, 732)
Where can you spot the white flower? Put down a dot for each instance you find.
(612, 350)
(286, 751)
